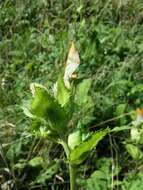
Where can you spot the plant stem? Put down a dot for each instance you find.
(66, 148)
(72, 168)
(72, 171)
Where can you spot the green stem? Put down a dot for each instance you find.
(72, 168)
(72, 171)
(66, 148)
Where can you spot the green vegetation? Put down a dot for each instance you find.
(35, 38)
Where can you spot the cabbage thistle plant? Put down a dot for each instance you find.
(51, 112)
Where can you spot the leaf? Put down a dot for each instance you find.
(44, 106)
(81, 99)
(14, 151)
(48, 173)
(82, 96)
(98, 180)
(36, 161)
(71, 64)
(134, 151)
(27, 112)
(136, 89)
(133, 181)
(84, 147)
(20, 166)
(22, 163)
(135, 134)
(101, 178)
(74, 139)
(26, 107)
(122, 128)
(62, 94)
(41, 102)
(104, 165)
(120, 111)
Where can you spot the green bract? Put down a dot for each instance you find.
(74, 139)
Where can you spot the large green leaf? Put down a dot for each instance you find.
(78, 154)
(45, 106)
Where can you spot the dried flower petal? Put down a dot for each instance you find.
(71, 64)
